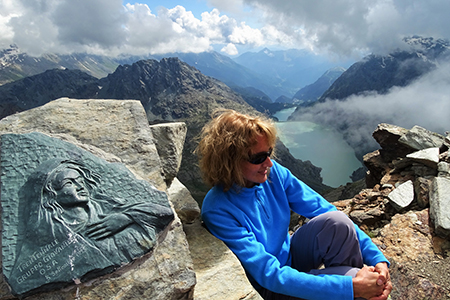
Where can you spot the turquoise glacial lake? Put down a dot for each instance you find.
(324, 147)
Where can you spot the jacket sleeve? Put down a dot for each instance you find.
(306, 202)
(267, 270)
(370, 252)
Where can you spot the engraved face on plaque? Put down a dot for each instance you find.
(68, 215)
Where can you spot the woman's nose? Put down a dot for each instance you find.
(268, 162)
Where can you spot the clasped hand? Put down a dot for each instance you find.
(373, 283)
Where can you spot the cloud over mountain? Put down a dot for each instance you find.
(425, 102)
(108, 27)
(111, 27)
(356, 25)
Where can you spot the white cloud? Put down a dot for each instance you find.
(107, 27)
(148, 33)
(64, 26)
(27, 25)
(244, 34)
(426, 103)
(354, 26)
(230, 49)
(8, 10)
(87, 22)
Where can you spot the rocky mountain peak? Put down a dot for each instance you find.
(169, 89)
(267, 52)
(39, 89)
(312, 92)
(429, 46)
(9, 55)
(379, 73)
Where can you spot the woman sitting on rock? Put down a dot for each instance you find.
(249, 209)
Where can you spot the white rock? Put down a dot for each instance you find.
(402, 196)
(429, 156)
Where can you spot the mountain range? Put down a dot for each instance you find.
(274, 73)
(312, 92)
(15, 64)
(379, 73)
(169, 90)
(292, 69)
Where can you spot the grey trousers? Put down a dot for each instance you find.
(329, 240)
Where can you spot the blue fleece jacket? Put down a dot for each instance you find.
(253, 223)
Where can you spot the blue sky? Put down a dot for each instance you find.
(196, 6)
(345, 28)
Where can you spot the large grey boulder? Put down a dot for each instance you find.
(443, 169)
(387, 136)
(118, 127)
(447, 139)
(440, 205)
(69, 215)
(419, 138)
(117, 131)
(428, 157)
(169, 140)
(220, 275)
(184, 204)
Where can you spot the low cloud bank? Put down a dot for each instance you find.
(425, 102)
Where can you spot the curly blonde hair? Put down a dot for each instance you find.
(226, 141)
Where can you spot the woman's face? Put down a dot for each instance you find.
(70, 188)
(257, 173)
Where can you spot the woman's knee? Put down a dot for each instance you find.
(323, 234)
(338, 223)
(338, 241)
(334, 219)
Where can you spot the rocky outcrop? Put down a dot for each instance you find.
(405, 209)
(220, 275)
(440, 206)
(185, 206)
(169, 142)
(117, 131)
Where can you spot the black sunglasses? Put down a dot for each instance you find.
(260, 157)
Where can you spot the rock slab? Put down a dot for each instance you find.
(440, 206)
(61, 207)
(117, 131)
